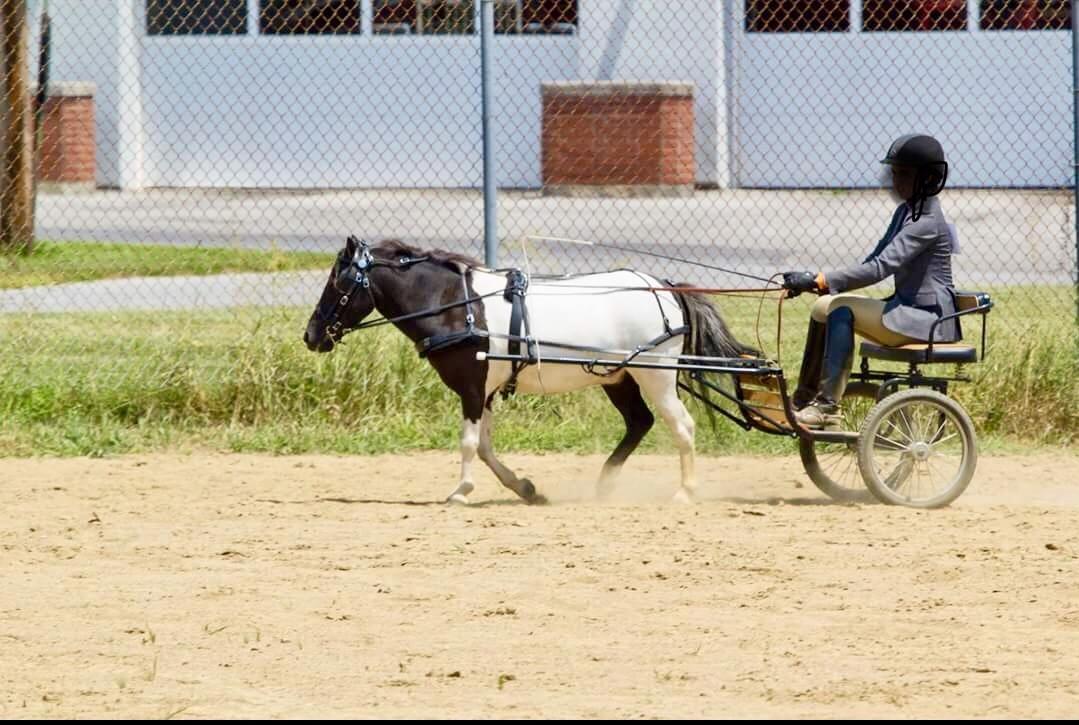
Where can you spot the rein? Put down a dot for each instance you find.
(359, 267)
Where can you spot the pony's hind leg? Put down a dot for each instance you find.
(660, 387)
(625, 395)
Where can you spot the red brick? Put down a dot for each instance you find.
(67, 144)
(619, 139)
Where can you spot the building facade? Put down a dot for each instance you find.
(386, 93)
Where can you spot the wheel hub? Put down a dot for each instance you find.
(921, 450)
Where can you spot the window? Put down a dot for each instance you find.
(196, 17)
(915, 15)
(797, 16)
(315, 17)
(536, 17)
(424, 17)
(1026, 15)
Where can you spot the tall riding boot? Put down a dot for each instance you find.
(809, 377)
(838, 356)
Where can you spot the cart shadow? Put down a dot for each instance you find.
(800, 501)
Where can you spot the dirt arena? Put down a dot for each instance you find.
(252, 586)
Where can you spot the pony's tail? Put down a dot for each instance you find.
(709, 336)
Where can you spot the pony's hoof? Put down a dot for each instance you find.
(538, 500)
(528, 493)
(460, 495)
(682, 497)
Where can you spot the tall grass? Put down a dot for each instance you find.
(243, 381)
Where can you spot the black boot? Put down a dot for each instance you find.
(823, 412)
(809, 377)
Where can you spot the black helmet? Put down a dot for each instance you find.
(926, 156)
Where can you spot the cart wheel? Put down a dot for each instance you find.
(833, 467)
(917, 448)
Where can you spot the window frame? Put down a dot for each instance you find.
(144, 8)
(260, 6)
(982, 27)
(848, 25)
(366, 28)
(473, 32)
(967, 25)
(521, 34)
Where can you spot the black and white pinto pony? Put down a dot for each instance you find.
(453, 308)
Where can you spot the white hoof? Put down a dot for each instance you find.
(460, 495)
(682, 496)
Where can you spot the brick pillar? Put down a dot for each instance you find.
(615, 137)
(67, 144)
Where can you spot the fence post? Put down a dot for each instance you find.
(16, 178)
(490, 194)
(1075, 142)
(43, 58)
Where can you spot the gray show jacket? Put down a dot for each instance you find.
(919, 254)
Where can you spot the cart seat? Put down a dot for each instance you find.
(919, 352)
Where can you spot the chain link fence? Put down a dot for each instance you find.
(212, 155)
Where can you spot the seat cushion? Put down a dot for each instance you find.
(919, 353)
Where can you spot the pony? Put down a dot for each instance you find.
(460, 314)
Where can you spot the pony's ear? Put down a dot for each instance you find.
(351, 244)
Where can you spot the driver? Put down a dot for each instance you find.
(917, 249)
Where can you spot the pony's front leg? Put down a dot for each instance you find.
(470, 443)
(520, 486)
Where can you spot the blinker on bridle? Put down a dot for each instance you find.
(357, 275)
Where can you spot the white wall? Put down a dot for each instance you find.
(656, 41)
(340, 111)
(355, 111)
(819, 109)
(403, 111)
(95, 40)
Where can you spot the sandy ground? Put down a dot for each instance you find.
(247, 586)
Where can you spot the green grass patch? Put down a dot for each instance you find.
(242, 380)
(58, 262)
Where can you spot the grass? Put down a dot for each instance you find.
(55, 263)
(241, 380)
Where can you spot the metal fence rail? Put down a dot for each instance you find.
(745, 133)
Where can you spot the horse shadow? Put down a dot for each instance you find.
(808, 501)
(389, 502)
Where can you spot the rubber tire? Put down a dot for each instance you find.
(883, 493)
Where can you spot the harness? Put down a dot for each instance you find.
(516, 286)
(434, 343)
(356, 275)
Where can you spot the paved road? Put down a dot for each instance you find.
(221, 291)
(1008, 237)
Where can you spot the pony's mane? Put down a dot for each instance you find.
(397, 248)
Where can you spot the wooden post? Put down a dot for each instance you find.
(16, 176)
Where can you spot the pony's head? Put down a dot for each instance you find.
(346, 300)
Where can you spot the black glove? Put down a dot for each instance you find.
(799, 282)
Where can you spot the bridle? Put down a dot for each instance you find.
(357, 276)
